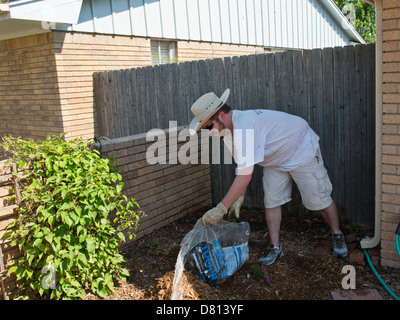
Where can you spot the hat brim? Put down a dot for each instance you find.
(195, 124)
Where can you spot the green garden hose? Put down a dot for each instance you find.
(394, 296)
(379, 278)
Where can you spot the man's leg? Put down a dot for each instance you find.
(277, 191)
(330, 215)
(315, 188)
(273, 216)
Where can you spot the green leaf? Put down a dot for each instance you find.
(121, 236)
(29, 273)
(93, 214)
(49, 237)
(82, 258)
(21, 163)
(74, 217)
(119, 187)
(42, 247)
(37, 242)
(90, 244)
(64, 267)
(124, 272)
(30, 258)
(51, 221)
(12, 270)
(82, 238)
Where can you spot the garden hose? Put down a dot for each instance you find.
(379, 278)
(394, 296)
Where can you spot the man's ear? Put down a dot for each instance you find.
(222, 116)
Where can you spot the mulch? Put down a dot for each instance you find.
(302, 274)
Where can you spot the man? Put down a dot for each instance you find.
(288, 150)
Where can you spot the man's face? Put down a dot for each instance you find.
(215, 127)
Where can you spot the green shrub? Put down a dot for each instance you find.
(69, 245)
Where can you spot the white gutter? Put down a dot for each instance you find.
(373, 242)
(348, 28)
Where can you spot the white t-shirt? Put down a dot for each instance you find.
(271, 139)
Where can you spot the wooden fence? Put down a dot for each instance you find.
(332, 88)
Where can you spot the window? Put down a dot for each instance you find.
(163, 52)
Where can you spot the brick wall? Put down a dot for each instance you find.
(77, 56)
(29, 99)
(165, 192)
(391, 131)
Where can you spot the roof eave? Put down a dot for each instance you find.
(28, 17)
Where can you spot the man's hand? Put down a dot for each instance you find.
(214, 215)
(235, 209)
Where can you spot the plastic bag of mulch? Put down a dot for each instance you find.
(217, 252)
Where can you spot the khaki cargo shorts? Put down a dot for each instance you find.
(311, 179)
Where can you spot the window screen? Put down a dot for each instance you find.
(162, 52)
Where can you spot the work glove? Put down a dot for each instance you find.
(235, 209)
(214, 215)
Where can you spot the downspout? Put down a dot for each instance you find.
(368, 243)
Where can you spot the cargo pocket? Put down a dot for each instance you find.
(323, 184)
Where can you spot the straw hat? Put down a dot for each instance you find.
(205, 107)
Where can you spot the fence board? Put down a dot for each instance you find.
(333, 89)
(328, 135)
(236, 92)
(307, 85)
(270, 80)
(298, 91)
(350, 126)
(338, 102)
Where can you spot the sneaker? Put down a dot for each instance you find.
(271, 255)
(339, 246)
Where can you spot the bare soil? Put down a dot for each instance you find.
(301, 274)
